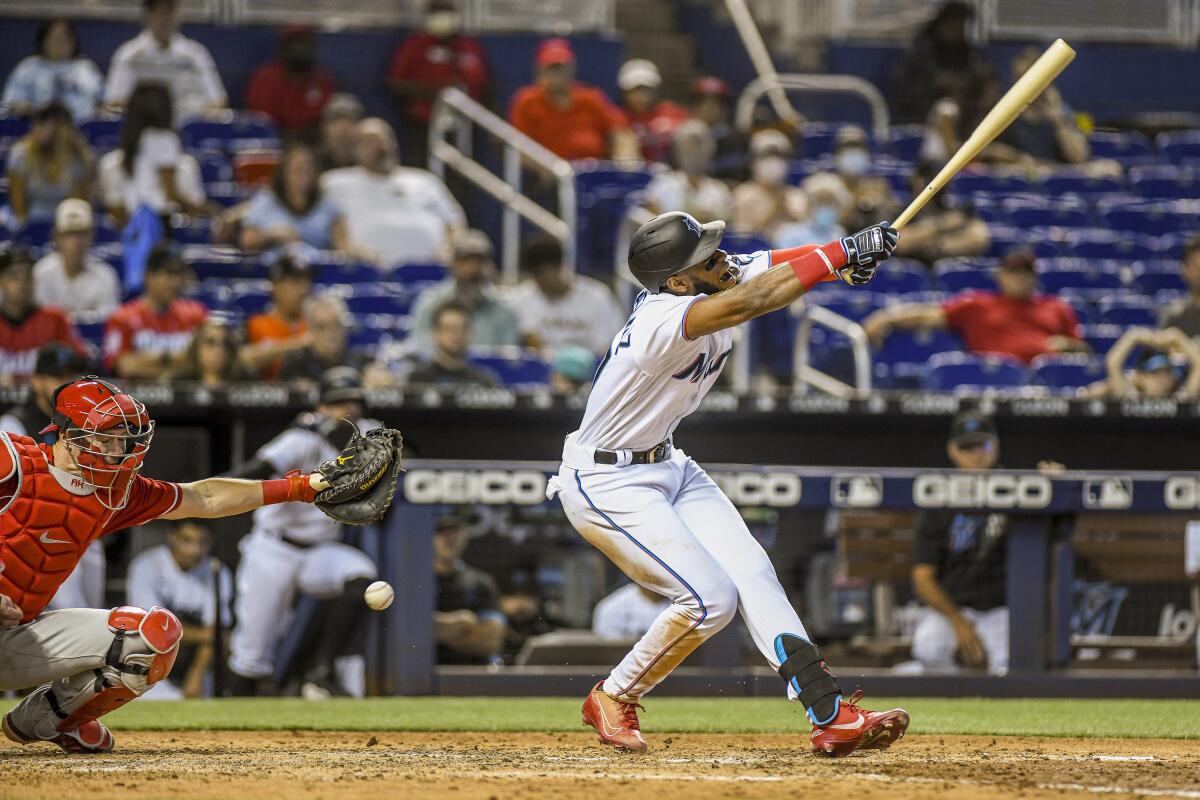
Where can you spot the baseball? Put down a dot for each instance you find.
(379, 595)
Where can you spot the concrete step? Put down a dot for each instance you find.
(646, 16)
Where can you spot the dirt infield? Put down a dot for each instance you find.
(274, 766)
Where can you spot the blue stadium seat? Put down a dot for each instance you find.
(960, 274)
(37, 233)
(102, 133)
(1175, 146)
(214, 168)
(1130, 148)
(898, 276)
(1102, 336)
(197, 232)
(1171, 245)
(227, 193)
(1151, 218)
(904, 141)
(380, 303)
(951, 371)
(419, 273)
(1071, 371)
(744, 243)
(13, 127)
(248, 304)
(1103, 243)
(225, 263)
(1074, 182)
(1005, 239)
(817, 139)
(852, 305)
(906, 376)
(1064, 212)
(1062, 273)
(969, 182)
(916, 346)
(335, 271)
(221, 134)
(1128, 310)
(1166, 182)
(215, 294)
(516, 367)
(603, 195)
(106, 232)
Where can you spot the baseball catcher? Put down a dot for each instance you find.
(55, 500)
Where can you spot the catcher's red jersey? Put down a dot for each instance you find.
(48, 517)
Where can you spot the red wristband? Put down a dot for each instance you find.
(289, 488)
(818, 265)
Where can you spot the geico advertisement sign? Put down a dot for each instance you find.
(777, 489)
(982, 491)
(525, 487)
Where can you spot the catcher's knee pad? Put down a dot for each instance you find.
(802, 666)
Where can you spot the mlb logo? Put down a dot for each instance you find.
(1108, 493)
(856, 491)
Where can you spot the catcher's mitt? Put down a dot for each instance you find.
(362, 478)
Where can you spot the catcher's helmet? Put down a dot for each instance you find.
(670, 243)
(109, 434)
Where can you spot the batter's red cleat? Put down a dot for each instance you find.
(616, 723)
(856, 728)
(90, 737)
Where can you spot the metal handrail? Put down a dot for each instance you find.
(454, 112)
(815, 82)
(807, 375)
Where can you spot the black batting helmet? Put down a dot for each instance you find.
(670, 243)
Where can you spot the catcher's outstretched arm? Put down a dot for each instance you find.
(227, 497)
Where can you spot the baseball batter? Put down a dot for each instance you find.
(656, 514)
(57, 499)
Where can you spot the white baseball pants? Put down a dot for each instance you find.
(934, 643)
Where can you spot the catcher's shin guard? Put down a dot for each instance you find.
(802, 666)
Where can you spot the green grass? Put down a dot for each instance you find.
(1175, 719)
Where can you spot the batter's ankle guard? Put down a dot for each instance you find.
(804, 670)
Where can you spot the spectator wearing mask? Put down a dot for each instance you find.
(448, 365)
(556, 308)
(49, 164)
(689, 187)
(826, 202)
(766, 201)
(941, 62)
(328, 321)
(1158, 370)
(211, 358)
(71, 277)
(56, 73)
(570, 119)
(161, 55)
(149, 167)
(572, 370)
(470, 285)
(1015, 321)
(182, 575)
(281, 329)
(872, 196)
(393, 214)
(294, 210)
(1186, 315)
(652, 120)
(339, 120)
(293, 89)
(941, 230)
(148, 337)
(468, 625)
(441, 56)
(710, 105)
(627, 613)
(26, 327)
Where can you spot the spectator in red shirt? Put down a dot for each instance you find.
(148, 337)
(568, 118)
(424, 64)
(1015, 322)
(293, 89)
(24, 327)
(653, 121)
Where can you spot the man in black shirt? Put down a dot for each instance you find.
(1186, 315)
(959, 568)
(468, 624)
(449, 365)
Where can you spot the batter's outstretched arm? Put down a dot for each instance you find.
(852, 259)
(227, 497)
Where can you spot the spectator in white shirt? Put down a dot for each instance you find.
(689, 187)
(161, 54)
(180, 575)
(400, 214)
(70, 277)
(556, 308)
(55, 73)
(150, 167)
(627, 613)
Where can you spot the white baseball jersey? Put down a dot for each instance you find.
(653, 375)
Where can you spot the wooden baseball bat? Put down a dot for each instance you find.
(1008, 108)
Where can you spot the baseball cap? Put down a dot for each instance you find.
(770, 142)
(472, 242)
(339, 384)
(57, 360)
(972, 427)
(1020, 259)
(554, 51)
(1154, 360)
(710, 84)
(12, 254)
(342, 105)
(850, 135)
(638, 72)
(73, 216)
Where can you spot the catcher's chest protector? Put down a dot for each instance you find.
(44, 528)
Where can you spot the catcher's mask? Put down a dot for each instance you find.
(107, 433)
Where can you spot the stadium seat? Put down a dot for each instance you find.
(226, 193)
(1063, 273)
(223, 263)
(951, 371)
(1171, 245)
(817, 139)
(1064, 212)
(102, 133)
(852, 305)
(603, 195)
(334, 271)
(1074, 182)
(196, 232)
(13, 127)
(1151, 218)
(1167, 182)
(969, 182)
(899, 276)
(1152, 277)
(961, 274)
(1129, 148)
(247, 304)
(380, 303)
(1005, 239)
(419, 273)
(1070, 371)
(916, 346)
(515, 366)
(1175, 146)
(214, 168)
(744, 243)
(904, 141)
(37, 233)
(1128, 310)
(1103, 243)
(905, 376)
(1101, 337)
(106, 232)
(221, 133)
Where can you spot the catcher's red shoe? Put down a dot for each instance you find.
(857, 728)
(90, 737)
(616, 723)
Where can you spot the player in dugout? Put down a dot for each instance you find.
(55, 500)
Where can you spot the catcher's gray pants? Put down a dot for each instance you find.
(270, 572)
(64, 652)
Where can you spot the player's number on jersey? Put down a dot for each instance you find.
(623, 339)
